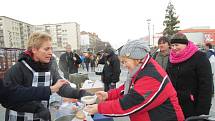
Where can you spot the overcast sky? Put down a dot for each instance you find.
(115, 21)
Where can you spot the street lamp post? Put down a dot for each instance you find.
(153, 37)
(148, 21)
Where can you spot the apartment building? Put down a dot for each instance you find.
(14, 33)
(62, 34)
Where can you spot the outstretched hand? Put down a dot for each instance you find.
(58, 85)
(91, 109)
(101, 95)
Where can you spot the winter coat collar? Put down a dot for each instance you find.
(37, 66)
(164, 54)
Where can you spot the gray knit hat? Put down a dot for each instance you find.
(136, 49)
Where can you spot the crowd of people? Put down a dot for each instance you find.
(171, 84)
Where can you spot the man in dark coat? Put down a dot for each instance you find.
(111, 71)
(69, 62)
(211, 56)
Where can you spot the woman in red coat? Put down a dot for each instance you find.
(147, 94)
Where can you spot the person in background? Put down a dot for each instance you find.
(98, 55)
(69, 62)
(211, 56)
(190, 72)
(163, 55)
(100, 62)
(111, 71)
(29, 83)
(209, 50)
(100, 58)
(147, 94)
(87, 61)
(82, 60)
(92, 62)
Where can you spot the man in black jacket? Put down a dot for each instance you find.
(69, 62)
(111, 71)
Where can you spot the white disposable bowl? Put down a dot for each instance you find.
(88, 100)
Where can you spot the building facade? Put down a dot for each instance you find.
(200, 36)
(91, 42)
(62, 34)
(14, 33)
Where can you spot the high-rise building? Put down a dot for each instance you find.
(62, 34)
(14, 33)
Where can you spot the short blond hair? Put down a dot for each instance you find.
(68, 46)
(36, 39)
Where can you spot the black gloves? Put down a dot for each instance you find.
(69, 92)
(85, 93)
(43, 113)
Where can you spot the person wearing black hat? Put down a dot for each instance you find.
(190, 72)
(111, 71)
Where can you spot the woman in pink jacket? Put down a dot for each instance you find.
(147, 94)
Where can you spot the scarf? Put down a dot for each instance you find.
(129, 78)
(184, 54)
(36, 65)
